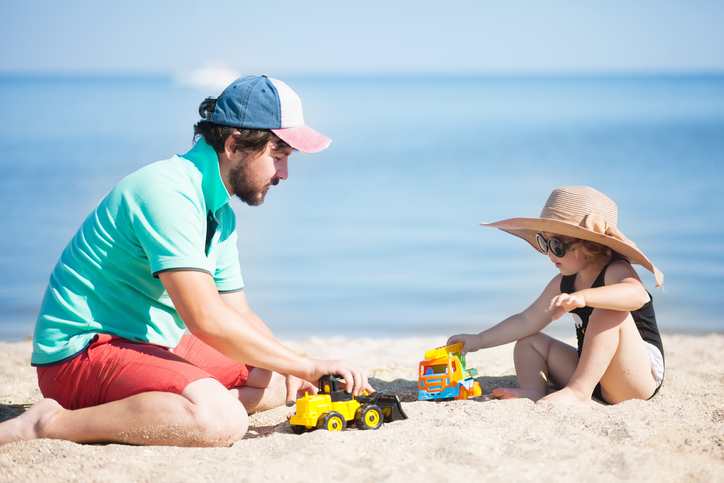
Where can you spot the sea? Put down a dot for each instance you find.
(379, 235)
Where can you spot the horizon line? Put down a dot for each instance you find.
(377, 74)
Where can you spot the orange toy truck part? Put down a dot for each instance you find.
(443, 375)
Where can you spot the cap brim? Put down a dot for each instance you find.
(303, 138)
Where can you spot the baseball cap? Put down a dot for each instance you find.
(260, 102)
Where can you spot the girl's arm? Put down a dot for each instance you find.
(530, 321)
(623, 291)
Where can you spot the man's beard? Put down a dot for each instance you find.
(243, 185)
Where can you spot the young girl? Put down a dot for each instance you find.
(619, 355)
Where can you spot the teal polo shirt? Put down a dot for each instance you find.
(106, 280)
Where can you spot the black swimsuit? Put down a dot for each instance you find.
(644, 318)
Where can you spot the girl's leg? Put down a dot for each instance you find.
(614, 354)
(538, 359)
(629, 374)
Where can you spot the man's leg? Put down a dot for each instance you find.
(120, 391)
(204, 414)
(258, 389)
(264, 390)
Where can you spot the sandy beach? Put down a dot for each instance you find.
(677, 436)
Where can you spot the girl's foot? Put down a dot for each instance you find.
(29, 424)
(514, 393)
(567, 396)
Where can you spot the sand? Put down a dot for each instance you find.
(677, 436)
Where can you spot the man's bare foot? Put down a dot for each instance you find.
(567, 396)
(514, 393)
(29, 424)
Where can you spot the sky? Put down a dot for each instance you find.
(372, 37)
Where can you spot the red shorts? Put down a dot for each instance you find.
(112, 368)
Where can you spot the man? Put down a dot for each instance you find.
(158, 256)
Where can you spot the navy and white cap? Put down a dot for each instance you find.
(260, 102)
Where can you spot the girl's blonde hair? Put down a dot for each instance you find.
(594, 254)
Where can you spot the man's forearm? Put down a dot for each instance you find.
(237, 301)
(228, 325)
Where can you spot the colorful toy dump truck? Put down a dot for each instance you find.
(332, 408)
(443, 375)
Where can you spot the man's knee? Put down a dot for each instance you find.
(221, 418)
(225, 424)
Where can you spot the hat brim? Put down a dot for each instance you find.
(527, 228)
(303, 138)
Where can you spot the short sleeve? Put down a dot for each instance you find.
(171, 228)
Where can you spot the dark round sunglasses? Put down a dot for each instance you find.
(556, 246)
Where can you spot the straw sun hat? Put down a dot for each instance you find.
(579, 212)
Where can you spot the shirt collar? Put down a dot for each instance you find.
(206, 160)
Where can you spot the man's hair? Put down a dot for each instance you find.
(246, 140)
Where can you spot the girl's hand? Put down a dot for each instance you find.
(565, 302)
(470, 342)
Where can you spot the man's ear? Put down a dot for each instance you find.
(230, 147)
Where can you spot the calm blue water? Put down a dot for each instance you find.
(378, 235)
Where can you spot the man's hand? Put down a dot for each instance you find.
(355, 377)
(298, 388)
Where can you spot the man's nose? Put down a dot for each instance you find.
(283, 169)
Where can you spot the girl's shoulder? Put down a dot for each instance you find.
(618, 270)
(554, 286)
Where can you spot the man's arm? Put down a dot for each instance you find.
(237, 301)
(235, 331)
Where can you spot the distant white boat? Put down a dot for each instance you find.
(211, 77)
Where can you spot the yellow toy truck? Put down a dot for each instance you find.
(443, 375)
(333, 408)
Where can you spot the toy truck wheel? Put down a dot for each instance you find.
(462, 393)
(299, 429)
(332, 421)
(368, 416)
